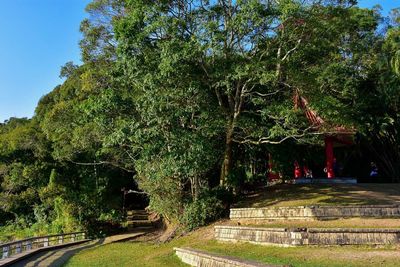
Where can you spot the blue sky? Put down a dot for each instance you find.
(37, 37)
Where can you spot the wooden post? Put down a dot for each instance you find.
(123, 190)
(329, 157)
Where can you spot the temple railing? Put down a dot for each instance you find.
(20, 246)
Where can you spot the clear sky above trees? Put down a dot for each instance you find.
(37, 38)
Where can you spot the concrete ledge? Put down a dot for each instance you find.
(341, 180)
(200, 258)
(303, 236)
(316, 212)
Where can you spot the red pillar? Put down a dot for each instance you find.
(329, 157)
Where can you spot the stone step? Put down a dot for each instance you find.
(310, 236)
(136, 212)
(139, 223)
(137, 217)
(200, 258)
(140, 228)
(316, 212)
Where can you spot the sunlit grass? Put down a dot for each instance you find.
(146, 254)
(305, 195)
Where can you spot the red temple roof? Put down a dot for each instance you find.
(316, 120)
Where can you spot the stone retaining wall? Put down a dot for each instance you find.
(310, 236)
(316, 212)
(264, 236)
(205, 259)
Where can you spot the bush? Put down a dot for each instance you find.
(207, 208)
(237, 177)
(223, 194)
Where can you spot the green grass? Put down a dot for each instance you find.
(305, 195)
(146, 254)
(127, 254)
(308, 256)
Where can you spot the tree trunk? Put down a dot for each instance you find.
(195, 184)
(228, 161)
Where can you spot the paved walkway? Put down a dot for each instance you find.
(58, 257)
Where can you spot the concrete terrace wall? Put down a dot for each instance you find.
(316, 212)
(205, 259)
(311, 236)
(352, 236)
(263, 236)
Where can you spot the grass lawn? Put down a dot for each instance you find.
(154, 255)
(339, 194)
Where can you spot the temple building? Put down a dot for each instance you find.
(334, 136)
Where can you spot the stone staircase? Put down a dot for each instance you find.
(139, 220)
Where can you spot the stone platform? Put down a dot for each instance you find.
(311, 236)
(316, 212)
(339, 180)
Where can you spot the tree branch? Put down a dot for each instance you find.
(102, 163)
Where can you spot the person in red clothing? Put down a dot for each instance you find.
(297, 170)
(272, 175)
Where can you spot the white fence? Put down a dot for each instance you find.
(16, 247)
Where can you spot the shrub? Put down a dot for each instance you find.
(207, 208)
(237, 177)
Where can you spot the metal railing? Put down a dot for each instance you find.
(16, 247)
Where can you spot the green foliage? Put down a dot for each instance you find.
(202, 211)
(237, 177)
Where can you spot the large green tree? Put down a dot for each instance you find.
(247, 57)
